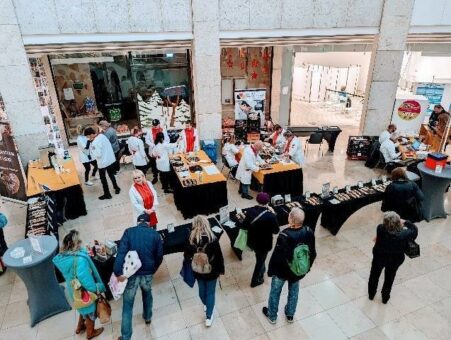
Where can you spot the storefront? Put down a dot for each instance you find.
(126, 88)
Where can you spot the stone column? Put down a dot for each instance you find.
(17, 88)
(282, 79)
(385, 67)
(206, 68)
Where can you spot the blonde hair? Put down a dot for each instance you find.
(392, 222)
(71, 241)
(201, 227)
(137, 173)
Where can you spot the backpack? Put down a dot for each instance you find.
(300, 265)
(200, 262)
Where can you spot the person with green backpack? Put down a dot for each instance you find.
(291, 260)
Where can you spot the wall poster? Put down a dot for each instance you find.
(249, 112)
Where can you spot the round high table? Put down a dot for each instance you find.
(434, 186)
(45, 296)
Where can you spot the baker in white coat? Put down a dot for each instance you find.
(391, 129)
(136, 148)
(143, 197)
(84, 156)
(277, 138)
(247, 165)
(102, 151)
(293, 148)
(161, 152)
(229, 151)
(188, 140)
(149, 138)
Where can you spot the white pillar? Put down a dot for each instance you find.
(385, 67)
(17, 87)
(206, 69)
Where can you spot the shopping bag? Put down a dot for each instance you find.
(103, 309)
(413, 249)
(131, 263)
(117, 288)
(187, 273)
(241, 240)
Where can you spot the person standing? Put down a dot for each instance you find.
(84, 155)
(403, 197)
(203, 240)
(388, 252)
(136, 148)
(229, 151)
(146, 241)
(386, 134)
(161, 152)
(247, 165)
(143, 198)
(189, 140)
(433, 118)
(293, 148)
(111, 134)
(150, 136)
(74, 263)
(277, 138)
(102, 151)
(296, 234)
(261, 223)
(3, 245)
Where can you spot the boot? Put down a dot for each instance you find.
(81, 327)
(90, 331)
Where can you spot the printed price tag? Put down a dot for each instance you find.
(373, 182)
(287, 198)
(335, 190)
(348, 188)
(307, 194)
(171, 228)
(384, 179)
(360, 184)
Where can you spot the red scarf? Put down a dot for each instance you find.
(190, 139)
(155, 130)
(274, 140)
(147, 196)
(287, 146)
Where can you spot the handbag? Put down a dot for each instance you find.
(117, 288)
(82, 297)
(412, 249)
(187, 273)
(414, 207)
(103, 309)
(241, 240)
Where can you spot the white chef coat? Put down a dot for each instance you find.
(388, 150)
(102, 151)
(161, 153)
(280, 139)
(295, 151)
(384, 136)
(83, 153)
(182, 143)
(137, 201)
(148, 137)
(248, 164)
(136, 148)
(229, 151)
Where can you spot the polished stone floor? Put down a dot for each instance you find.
(332, 304)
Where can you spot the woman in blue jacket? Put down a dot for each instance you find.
(87, 275)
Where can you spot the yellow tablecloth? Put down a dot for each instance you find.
(37, 175)
(205, 177)
(278, 167)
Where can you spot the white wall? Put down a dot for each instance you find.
(431, 13)
(424, 69)
(338, 59)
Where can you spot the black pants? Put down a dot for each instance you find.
(3, 245)
(259, 269)
(111, 170)
(233, 170)
(391, 264)
(117, 164)
(153, 166)
(143, 168)
(165, 179)
(88, 169)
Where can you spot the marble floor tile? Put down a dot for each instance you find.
(429, 322)
(321, 327)
(327, 294)
(372, 334)
(216, 331)
(402, 329)
(243, 324)
(289, 331)
(350, 319)
(352, 285)
(376, 311)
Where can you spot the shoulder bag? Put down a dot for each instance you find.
(82, 298)
(241, 240)
(412, 249)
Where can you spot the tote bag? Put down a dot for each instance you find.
(187, 273)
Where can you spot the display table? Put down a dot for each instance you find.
(205, 197)
(282, 178)
(45, 296)
(65, 186)
(434, 186)
(330, 133)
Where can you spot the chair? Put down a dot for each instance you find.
(315, 138)
(225, 164)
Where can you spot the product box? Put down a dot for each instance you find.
(434, 159)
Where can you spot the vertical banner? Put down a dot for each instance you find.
(12, 177)
(249, 111)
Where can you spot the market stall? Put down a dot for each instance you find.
(64, 185)
(330, 133)
(199, 187)
(282, 178)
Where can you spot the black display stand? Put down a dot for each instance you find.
(280, 183)
(359, 147)
(42, 217)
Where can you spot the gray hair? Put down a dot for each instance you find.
(392, 221)
(296, 216)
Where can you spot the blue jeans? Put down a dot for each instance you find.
(244, 188)
(274, 297)
(207, 291)
(145, 282)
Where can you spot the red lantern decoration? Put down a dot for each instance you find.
(254, 75)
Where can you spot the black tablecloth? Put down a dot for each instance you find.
(286, 182)
(335, 215)
(199, 199)
(71, 201)
(330, 134)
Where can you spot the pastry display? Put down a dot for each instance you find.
(177, 163)
(313, 200)
(189, 182)
(265, 167)
(193, 159)
(294, 204)
(195, 168)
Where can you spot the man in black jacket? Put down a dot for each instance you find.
(261, 224)
(146, 241)
(296, 234)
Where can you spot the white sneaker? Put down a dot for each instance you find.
(209, 322)
(89, 183)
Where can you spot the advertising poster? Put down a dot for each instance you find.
(249, 111)
(433, 92)
(408, 114)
